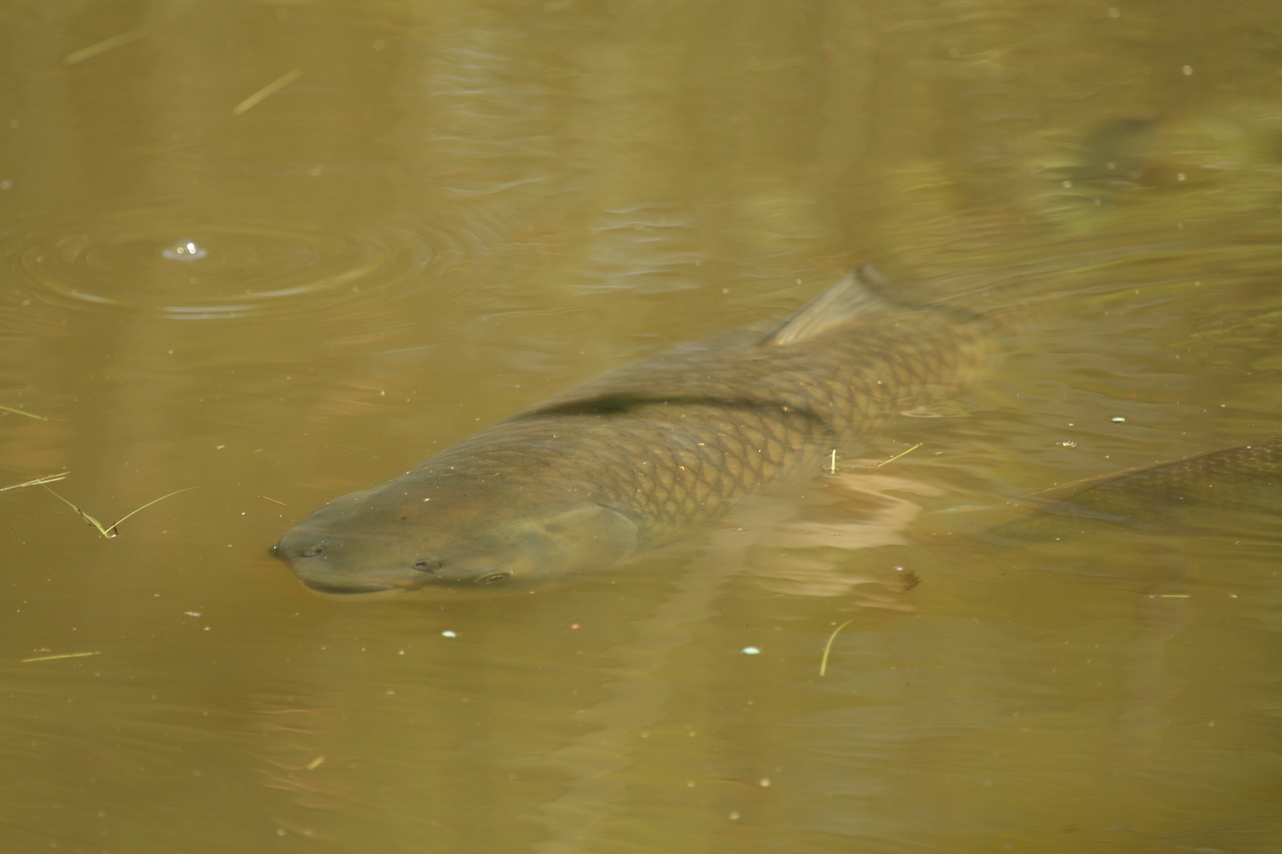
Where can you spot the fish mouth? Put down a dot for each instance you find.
(365, 589)
(296, 561)
(369, 588)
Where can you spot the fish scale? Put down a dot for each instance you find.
(1236, 489)
(643, 455)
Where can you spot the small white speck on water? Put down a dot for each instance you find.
(751, 650)
(448, 634)
(1118, 419)
(188, 250)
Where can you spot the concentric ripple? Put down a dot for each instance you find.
(188, 267)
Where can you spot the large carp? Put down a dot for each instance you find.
(642, 455)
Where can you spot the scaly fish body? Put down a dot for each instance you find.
(643, 455)
(1235, 488)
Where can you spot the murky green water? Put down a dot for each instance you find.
(281, 251)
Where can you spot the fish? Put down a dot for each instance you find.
(646, 454)
(1234, 490)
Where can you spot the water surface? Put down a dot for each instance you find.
(278, 252)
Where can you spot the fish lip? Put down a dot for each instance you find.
(476, 579)
(288, 556)
(354, 590)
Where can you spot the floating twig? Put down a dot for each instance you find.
(109, 531)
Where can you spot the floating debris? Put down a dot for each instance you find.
(39, 481)
(823, 662)
(57, 656)
(899, 455)
(109, 531)
(104, 46)
(23, 412)
(267, 91)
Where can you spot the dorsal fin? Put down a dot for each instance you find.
(856, 293)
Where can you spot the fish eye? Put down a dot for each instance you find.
(494, 577)
(427, 565)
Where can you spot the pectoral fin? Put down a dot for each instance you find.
(594, 534)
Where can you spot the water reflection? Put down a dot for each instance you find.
(184, 251)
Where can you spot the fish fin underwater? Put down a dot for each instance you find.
(643, 455)
(855, 294)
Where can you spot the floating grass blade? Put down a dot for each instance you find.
(83, 515)
(104, 46)
(823, 662)
(149, 503)
(60, 656)
(16, 411)
(899, 455)
(267, 91)
(109, 531)
(39, 481)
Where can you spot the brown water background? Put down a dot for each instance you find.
(278, 251)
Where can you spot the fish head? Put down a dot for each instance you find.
(420, 532)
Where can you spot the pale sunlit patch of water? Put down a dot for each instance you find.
(818, 543)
